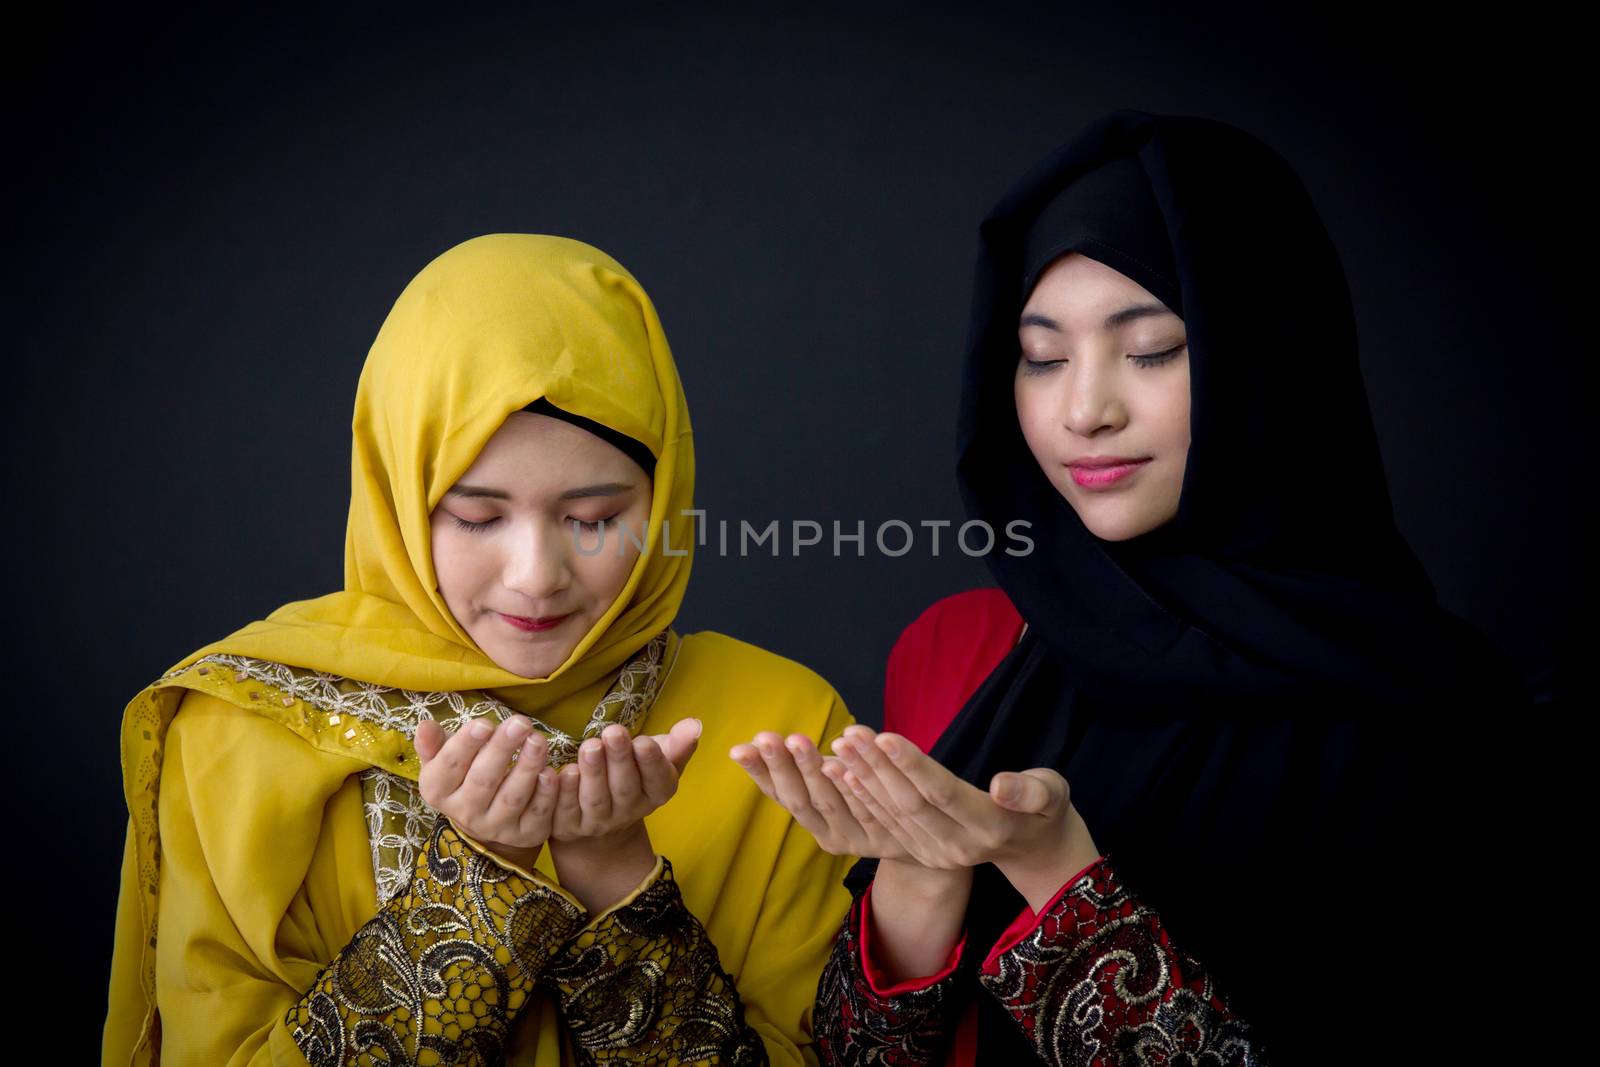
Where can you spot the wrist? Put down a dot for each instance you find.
(916, 918)
(605, 868)
(910, 880)
(522, 859)
(1039, 873)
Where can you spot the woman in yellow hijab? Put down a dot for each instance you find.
(518, 545)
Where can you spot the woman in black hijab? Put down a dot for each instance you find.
(1229, 652)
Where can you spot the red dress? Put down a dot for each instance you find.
(1057, 971)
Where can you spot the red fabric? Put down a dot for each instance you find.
(939, 661)
(942, 658)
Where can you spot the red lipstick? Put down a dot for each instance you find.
(527, 625)
(1102, 472)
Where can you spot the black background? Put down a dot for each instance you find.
(212, 219)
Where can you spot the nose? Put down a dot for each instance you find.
(1092, 402)
(538, 565)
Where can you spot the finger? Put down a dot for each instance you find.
(444, 775)
(859, 811)
(825, 798)
(489, 766)
(1034, 792)
(680, 742)
(538, 818)
(788, 786)
(856, 732)
(622, 769)
(948, 794)
(896, 793)
(657, 777)
(429, 740)
(752, 764)
(594, 791)
(517, 789)
(866, 786)
(569, 812)
(888, 824)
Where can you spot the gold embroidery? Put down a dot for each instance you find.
(644, 985)
(385, 721)
(439, 973)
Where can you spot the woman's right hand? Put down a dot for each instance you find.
(791, 772)
(468, 777)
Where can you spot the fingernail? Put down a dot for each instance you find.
(591, 753)
(698, 727)
(517, 728)
(481, 729)
(1006, 790)
(890, 745)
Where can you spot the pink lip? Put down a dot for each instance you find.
(527, 625)
(1099, 472)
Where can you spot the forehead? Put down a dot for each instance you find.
(1076, 287)
(534, 451)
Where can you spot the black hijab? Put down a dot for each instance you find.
(1255, 704)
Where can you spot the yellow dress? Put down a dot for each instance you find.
(264, 771)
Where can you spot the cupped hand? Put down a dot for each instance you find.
(617, 780)
(791, 772)
(1025, 823)
(469, 777)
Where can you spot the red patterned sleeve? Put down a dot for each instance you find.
(1095, 979)
(862, 1017)
(859, 1022)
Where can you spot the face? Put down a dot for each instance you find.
(537, 538)
(1102, 391)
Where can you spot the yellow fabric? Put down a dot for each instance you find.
(247, 849)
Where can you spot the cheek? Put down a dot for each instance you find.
(1175, 417)
(1163, 414)
(455, 560)
(1033, 416)
(606, 572)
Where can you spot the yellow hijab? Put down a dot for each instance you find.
(485, 329)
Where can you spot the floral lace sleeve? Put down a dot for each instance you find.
(643, 985)
(1096, 979)
(440, 972)
(859, 1022)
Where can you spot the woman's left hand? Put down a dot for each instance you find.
(618, 780)
(1025, 824)
(598, 841)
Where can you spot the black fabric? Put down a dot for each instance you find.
(1111, 215)
(632, 448)
(1267, 722)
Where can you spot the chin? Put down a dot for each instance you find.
(525, 664)
(1117, 527)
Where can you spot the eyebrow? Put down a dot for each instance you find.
(582, 491)
(1113, 320)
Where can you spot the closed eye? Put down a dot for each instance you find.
(1155, 359)
(472, 527)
